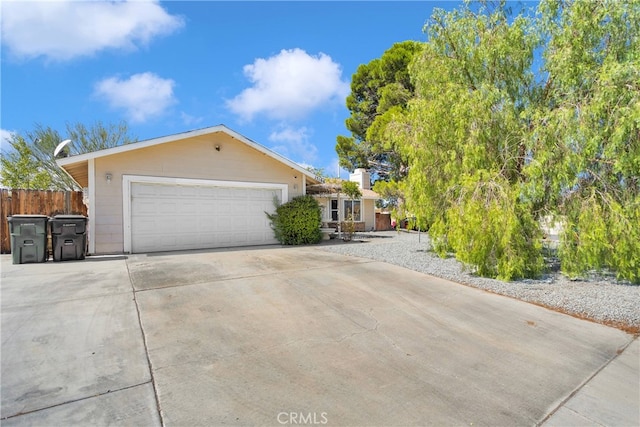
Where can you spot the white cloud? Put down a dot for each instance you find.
(190, 120)
(289, 85)
(142, 96)
(294, 143)
(62, 30)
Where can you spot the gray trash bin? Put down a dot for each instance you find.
(28, 238)
(68, 237)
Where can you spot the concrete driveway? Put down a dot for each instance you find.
(291, 336)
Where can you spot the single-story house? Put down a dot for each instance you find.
(205, 188)
(336, 207)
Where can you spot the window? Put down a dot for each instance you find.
(334, 210)
(352, 207)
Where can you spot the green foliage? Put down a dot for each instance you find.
(297, 222)
(390, 192)
(20, 169)
(377, 88)
(602, 235)
(392, 198)
(351, 189)
(43, 141)
(463, 136)
(586, 138)
(492, 147)
(492, 231)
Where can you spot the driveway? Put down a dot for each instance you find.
(290, 336)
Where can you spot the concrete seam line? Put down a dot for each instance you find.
(595, 423)
(80, 399)
(585, 382)
(146, 348)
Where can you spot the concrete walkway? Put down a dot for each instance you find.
(282, 336)
(610, 398)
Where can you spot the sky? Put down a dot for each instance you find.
(276, 72)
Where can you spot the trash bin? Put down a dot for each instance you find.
(28, 238)
(68, 237)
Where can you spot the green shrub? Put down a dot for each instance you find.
(297, 222)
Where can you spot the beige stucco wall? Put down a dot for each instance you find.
(192, 158)
(369, 212)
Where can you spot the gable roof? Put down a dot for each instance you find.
(77, 166)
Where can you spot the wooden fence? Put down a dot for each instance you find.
(36, 202)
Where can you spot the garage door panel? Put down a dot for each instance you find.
(168, 217)
(145, 207)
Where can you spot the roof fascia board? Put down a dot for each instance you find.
(204, 131)
(137, 145)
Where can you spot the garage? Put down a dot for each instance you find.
(169, 217)
(199, 189)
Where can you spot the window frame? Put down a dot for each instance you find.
(352, 203)
(333, 210)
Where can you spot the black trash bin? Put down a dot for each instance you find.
(28, 238)
(68, 237)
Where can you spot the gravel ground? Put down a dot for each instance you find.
(600, 299)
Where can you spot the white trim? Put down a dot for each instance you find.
(330, 209)
(128, 180)
(137, 145)
(176, 137)
(344, 211)
(91, 178)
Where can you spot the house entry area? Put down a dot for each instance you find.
(194, 214)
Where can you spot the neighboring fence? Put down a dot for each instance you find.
(383, 221)
(36, 202)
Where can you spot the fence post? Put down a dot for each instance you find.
(67, 202)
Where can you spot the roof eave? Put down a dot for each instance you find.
(67, 161)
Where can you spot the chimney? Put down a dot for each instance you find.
(362, 177)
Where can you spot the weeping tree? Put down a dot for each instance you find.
(585, 147)
(464, 135)
(492, 146)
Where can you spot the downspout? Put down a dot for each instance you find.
(91, 232)
(339, 220)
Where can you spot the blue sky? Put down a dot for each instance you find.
(276, 72)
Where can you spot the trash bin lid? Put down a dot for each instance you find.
(26, 217)
(72, 218)
(68, 224)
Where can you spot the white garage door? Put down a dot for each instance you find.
(169, 217)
